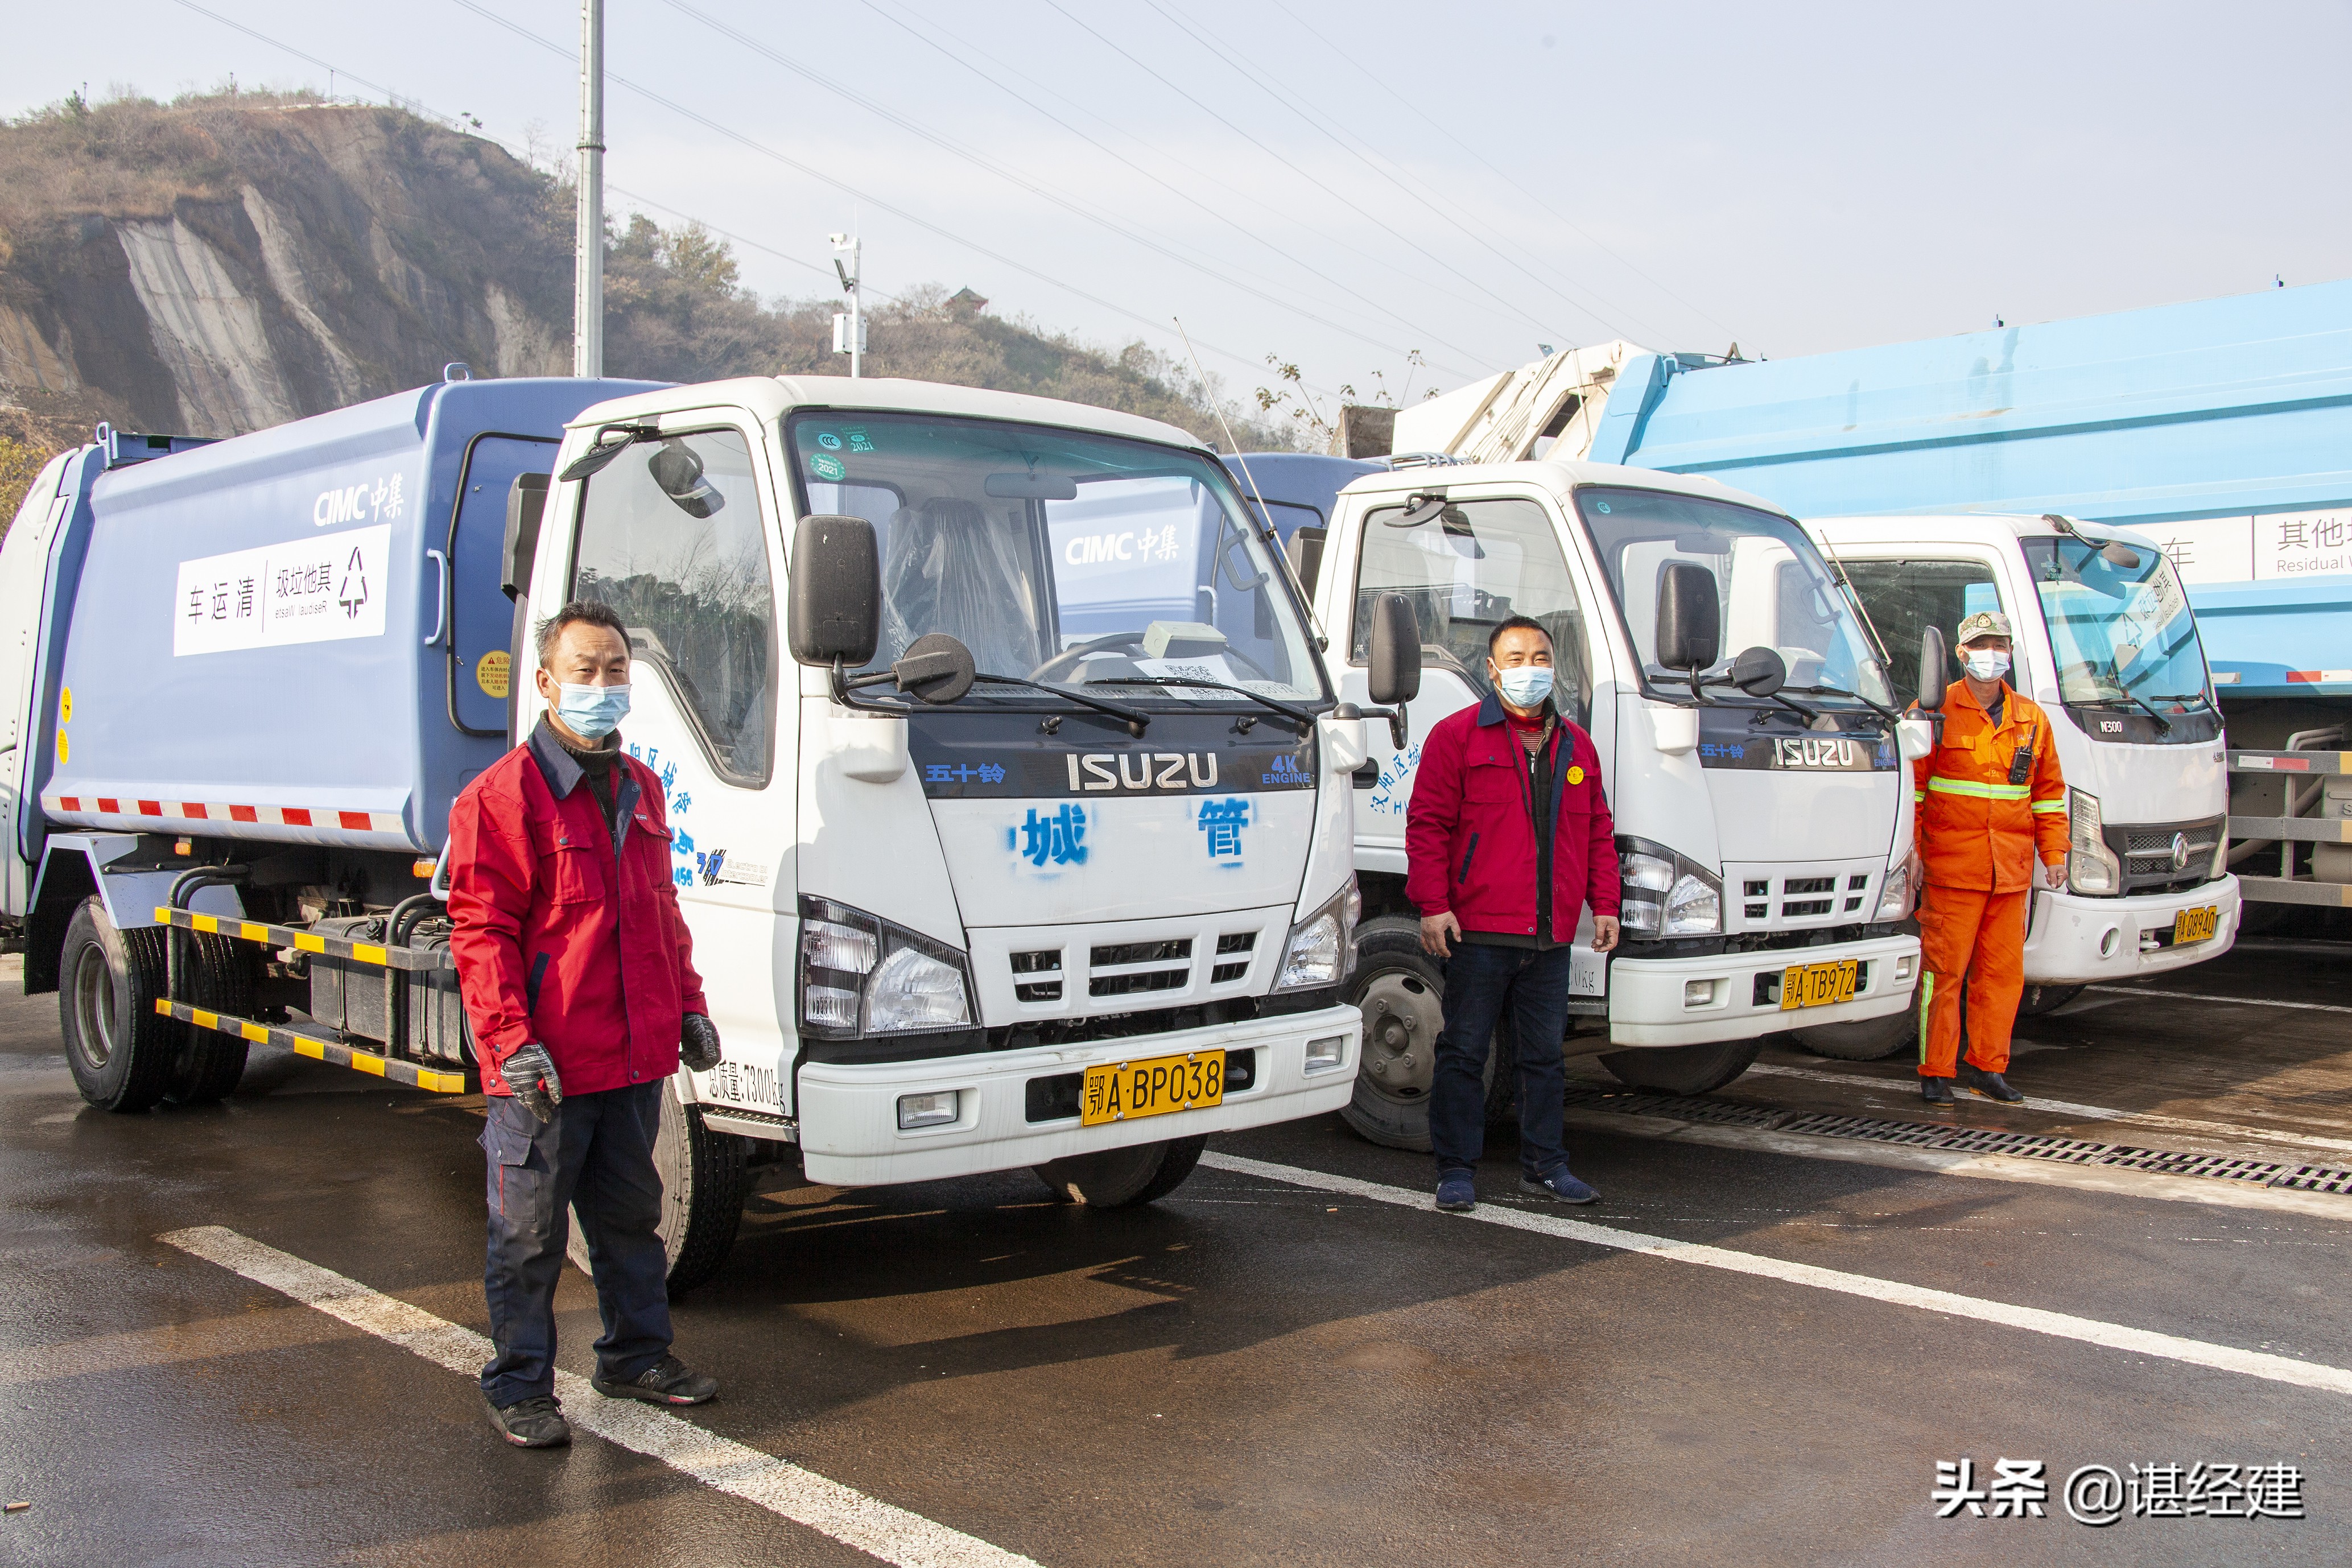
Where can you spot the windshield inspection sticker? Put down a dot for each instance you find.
(826, 468)
(305, 590)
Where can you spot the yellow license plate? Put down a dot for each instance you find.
(2195, 925)
(1122, 1091)
(1818, 985)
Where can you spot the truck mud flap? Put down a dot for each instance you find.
(391, 1069)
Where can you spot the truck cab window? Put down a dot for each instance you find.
(671, 538)
(1467, 570)
(1905, 597)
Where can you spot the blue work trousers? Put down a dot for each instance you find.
(597, 1155)
(1481, 982)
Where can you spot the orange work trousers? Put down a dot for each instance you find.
(1978, 938)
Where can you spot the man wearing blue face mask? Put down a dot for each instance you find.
(579, 981)
(1508, 841)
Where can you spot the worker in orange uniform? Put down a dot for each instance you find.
(1991, 802)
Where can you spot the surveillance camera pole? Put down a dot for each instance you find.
(588, 284)
(850, 245)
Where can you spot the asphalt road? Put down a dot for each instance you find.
(1256, 1370)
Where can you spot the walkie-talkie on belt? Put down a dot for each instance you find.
(2020, 766)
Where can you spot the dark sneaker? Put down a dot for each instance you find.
(1936, 1090)
(667, 1381)
(1990, 1085)
(1456, 1193)
(1560, 1186)
(533, 1422)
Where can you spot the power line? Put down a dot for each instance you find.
(1010, 175)
(1356, 147)
(1368, 217)
(847, 189)
(1174, 189)
(1439, 126)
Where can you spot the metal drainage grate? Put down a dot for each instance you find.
(2316, 1179)
(1965, 1140)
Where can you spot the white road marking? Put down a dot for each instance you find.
(2089, 1112)
(2200, 996)
(2062, 1325)
(850, 1517)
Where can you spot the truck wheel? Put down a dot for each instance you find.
(1123, 1178)
(1401, 992)
(704, 1183)
(2041, 999)
(1866, 1041)
(220, 981)
(1683, 1069)
(120, 1050)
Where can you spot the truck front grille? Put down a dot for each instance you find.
(2161, 857)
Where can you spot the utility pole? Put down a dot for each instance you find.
(588, 281)
(849, 330)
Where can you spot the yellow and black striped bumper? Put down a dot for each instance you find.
(390, 1068)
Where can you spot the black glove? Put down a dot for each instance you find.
(530, 1073)
(698, 1043)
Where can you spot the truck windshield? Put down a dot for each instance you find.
(1060, 557)
(1772, 588)
(2121, 634)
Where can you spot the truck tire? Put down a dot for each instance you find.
(1867, 1041)
(1683, 1069)
(2041, 999)
(120, 1050)
(220, 979)
(1123, 1178)
(1400, 991)
(704, 1179)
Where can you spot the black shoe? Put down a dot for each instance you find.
(1936, 1090)
(1990, 1085)
(667, 1381)
(533, 1422)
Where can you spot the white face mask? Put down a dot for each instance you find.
(1986, 663)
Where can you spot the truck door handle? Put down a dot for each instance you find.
(441, 609)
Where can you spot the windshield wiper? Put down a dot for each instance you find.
(1298, 716)
(1889, 714)
(1137, 719)
(2163, 724)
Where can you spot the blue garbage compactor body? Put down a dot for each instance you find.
(2221, 427)
(295, 636)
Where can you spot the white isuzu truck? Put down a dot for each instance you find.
(1034, 852)
(1751, 746)
(2104, 640)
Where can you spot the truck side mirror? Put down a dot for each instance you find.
(835, 614)
(526, 504)
(1690, 624)
(1305, 549)
(1760, 671)
(1933, 674)
(1394, 675)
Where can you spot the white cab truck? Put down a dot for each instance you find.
(1750, 748)
(2105, 642)
(1036, 850)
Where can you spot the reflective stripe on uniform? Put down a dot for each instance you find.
(1980, 791)
(2048, 805)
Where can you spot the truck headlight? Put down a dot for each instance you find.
(1663, 894)
(2091, 866)
(863, 975)
(1319, 945)
(1895, 893)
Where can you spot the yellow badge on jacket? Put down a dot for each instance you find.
(1576, 775)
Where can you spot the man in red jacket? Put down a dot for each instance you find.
(1508, 841)
(578, 977)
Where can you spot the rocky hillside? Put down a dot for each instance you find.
(218, 265)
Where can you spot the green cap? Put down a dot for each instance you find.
(1983, 624)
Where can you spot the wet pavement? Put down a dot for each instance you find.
(1254, 1370)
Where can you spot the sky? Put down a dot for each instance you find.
(1383, 194)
